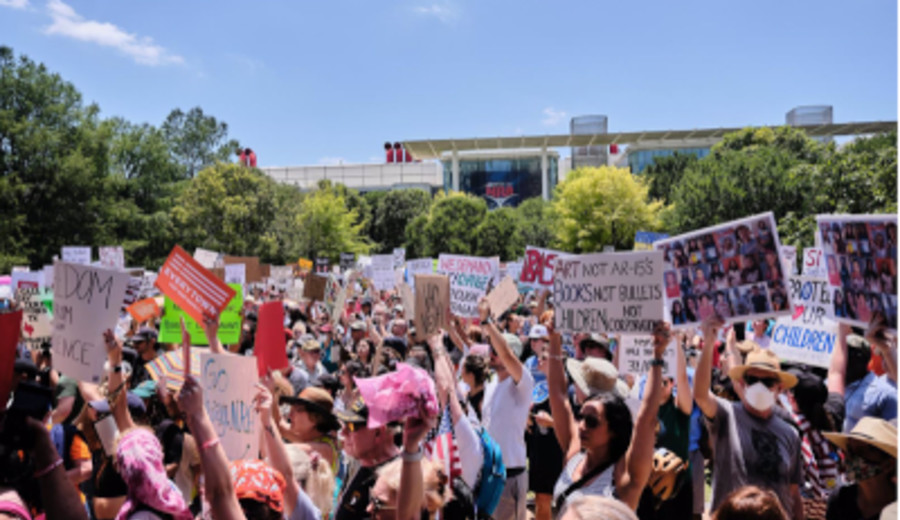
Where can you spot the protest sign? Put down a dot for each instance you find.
(383, 272)
(280, 276)
(236, 273)
(807, 336)
(207, 258)
(144, 310)
(637, 352)
(734, 270)
(228, 390)
(418, 266)
(48, 277)
(86, 302)
(37, 320)
(789, 257)
(432, 302)
(537, 269)
(132, 292)
(334, 296)
(26, 280)
(643, 240)
(148, 284)
(608, 292)
(408, 297)
(322, 264)
(229, 322)
(305, 264)
(861, 259)
(192, 287)
(10, 326)
(399, 256)
(814, 263)
(253, 272)
(76, 255)
(470, 278)
(112, 257)
(295, 291)
(503, 296)
(314, 287)
(269, 348)
(348, 260)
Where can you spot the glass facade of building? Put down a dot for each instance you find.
(502, 181)
(640, 159)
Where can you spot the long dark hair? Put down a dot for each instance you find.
(618, 417)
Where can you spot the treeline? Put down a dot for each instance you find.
(70, 177)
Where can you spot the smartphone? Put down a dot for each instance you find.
(740, 331)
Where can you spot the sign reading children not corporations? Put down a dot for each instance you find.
(609, 292)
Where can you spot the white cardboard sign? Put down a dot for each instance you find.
(383, 272)
(637, 353)
(228, 390)
(236, 273)
(470, 278)
(76, 254)
(112, 257)
(809, 335)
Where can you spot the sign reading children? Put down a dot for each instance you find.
(608, 292)
(734, 270)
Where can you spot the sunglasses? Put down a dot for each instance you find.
(354, 427)
(769, 382)
(590, 421)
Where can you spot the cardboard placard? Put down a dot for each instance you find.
(269, 348)
(814, 263)
(861, 260)
(206, 258)
(86, 302)
(229, 322)
(37, 320)
(537, 269)
(314, 287)
(236, 273)
(637, 353)
(10, 327)
(733, 269)
(192, 287)
(609, 292)
(809, 335)
(418, 266)
(432, 302)
(281, 276)
(383, 272)
(112, 257)
(503, 297)
(399, 256)
(789, 257)
(26, 280)
(407, 296)
(470, 279)
(143, 310)
(76, 255)
(252, 268)
(228, 389)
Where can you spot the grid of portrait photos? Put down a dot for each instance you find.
(861, 262)
(733, 270)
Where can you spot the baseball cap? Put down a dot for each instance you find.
(144, 334)
(538, 332)
(358, 325)
(356, 414)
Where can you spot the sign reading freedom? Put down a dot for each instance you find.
(609, 292)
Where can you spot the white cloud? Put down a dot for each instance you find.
(15, 4)
(444, 12)
(332, 161)
(66, 22)
(553, 117)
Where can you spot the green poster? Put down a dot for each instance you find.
(229, 322)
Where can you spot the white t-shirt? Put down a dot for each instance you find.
(504, 413)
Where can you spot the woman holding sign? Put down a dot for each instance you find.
(603, 456)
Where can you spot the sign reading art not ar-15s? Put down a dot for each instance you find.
(608, 292)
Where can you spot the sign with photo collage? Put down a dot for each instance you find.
(861, 265)
(734, 270)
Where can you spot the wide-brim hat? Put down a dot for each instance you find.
(593, 375)
(763, 359)
(596, 340)
(318, 400)
(870, 430)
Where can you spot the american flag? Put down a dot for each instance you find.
(441, 446)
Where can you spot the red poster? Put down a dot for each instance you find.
(143, 310)
(192, 287)
(10, 328)
(270, 349)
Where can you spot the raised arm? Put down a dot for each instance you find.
(837, 368)
(411, 494)
(703, 395)
(118, 388)
(278, 456)
(51, 477)
(506, 355)
(211, 329)
(684, 398)
(564, 425)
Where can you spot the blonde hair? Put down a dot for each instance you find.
(315, 478)
(436, 484)
(588, 507)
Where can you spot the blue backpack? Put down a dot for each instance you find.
(493, 475)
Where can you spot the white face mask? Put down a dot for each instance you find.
(759, 397)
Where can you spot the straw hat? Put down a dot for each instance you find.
(763, 359)
(870, 430)
(594, 375)
(319, 400)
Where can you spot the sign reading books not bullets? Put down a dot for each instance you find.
(609, 292)
(192, 287)
(734, 270)
(861, 263)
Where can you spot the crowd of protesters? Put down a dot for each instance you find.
(540, 424)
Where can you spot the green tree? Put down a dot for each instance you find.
(416, 243)
(229, 208)
(536, 222)
(499, 235)
(394, 211)
(452, 224)
(325, 227)
(665, 173)
(602, 206)
(141, 155)
(197, 140)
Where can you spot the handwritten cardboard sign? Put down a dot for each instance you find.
(537, 269)
(408, 297)
(86, 302)
(789, 257)
(10, 324)
(809, 335)
(192, 287)
(270, 349)
(861, 260)
(608, 292)
(76, 254)
(252, 268)
(503, 297)
(37, 320)
(144, 310)
(229, 322)
(735, 270)
(814, 263)
(236, 273)
(314, 287)
(228, 390)
(26, 280)
(432, 302)
(383, 272)
(399, 256)
(418, 266)
(112, 257)
(207, 258)
(281, 276)
(637, 353)
(470, 279)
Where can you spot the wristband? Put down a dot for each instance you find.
(52, 466)
(117, 369)
(560, 357)
(413, 457)
(657, 362)
(487, 321)
(209, 444)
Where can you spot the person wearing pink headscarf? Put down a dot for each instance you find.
(139, 460)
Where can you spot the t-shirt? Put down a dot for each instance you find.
(354, 499)
(753, 451)
(872, 395)
(674, 429)
(842, 505)
(505, 415)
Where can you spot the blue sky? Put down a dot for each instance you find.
(318, 82)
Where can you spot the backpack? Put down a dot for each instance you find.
(493, 475)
